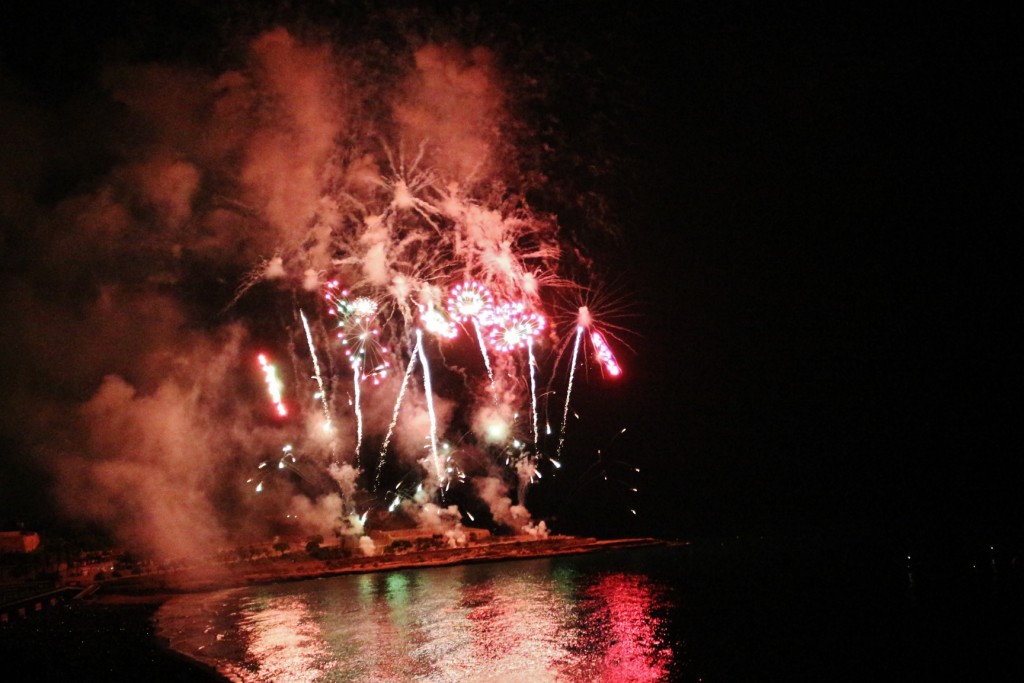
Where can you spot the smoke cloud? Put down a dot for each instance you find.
(166, 227)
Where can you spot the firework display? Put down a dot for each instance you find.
(413, 320)
(366, 237)
(470, 301)
(513, 328)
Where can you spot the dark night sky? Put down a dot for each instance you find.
(816, 210)
(839, 189)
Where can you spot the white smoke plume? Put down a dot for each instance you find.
(432, 516)
(321, 516)
(225, 197)
(453, 98)
(494, 492)
(367, 546)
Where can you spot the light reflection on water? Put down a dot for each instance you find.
(529, 621)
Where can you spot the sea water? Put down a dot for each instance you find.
(600, 617)
(743, 610)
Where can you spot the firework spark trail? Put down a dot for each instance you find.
(568, 390)
(356, 381)
(604, 354)
(472, 302)
(487, 359)
(430, 404)
(533, 389)
(316, 370)
(394, 419)
(274, 384)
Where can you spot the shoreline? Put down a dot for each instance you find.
(295, 567)
(110, 632)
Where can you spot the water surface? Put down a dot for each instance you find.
(756, 609)
(588, 618)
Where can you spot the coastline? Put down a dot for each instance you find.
(299, 566)
(111, 634)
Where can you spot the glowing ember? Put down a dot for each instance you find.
(513, 328)
(470, 301)
(364, 306)
(359, 334)
(274, 384)
(604, 354)
(435, 322)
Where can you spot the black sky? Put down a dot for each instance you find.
(817, 209)
(841, 188)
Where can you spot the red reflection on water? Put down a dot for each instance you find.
(283, 642)
(490, 618)
(509, 631)
(636, 650)
(457, 626)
